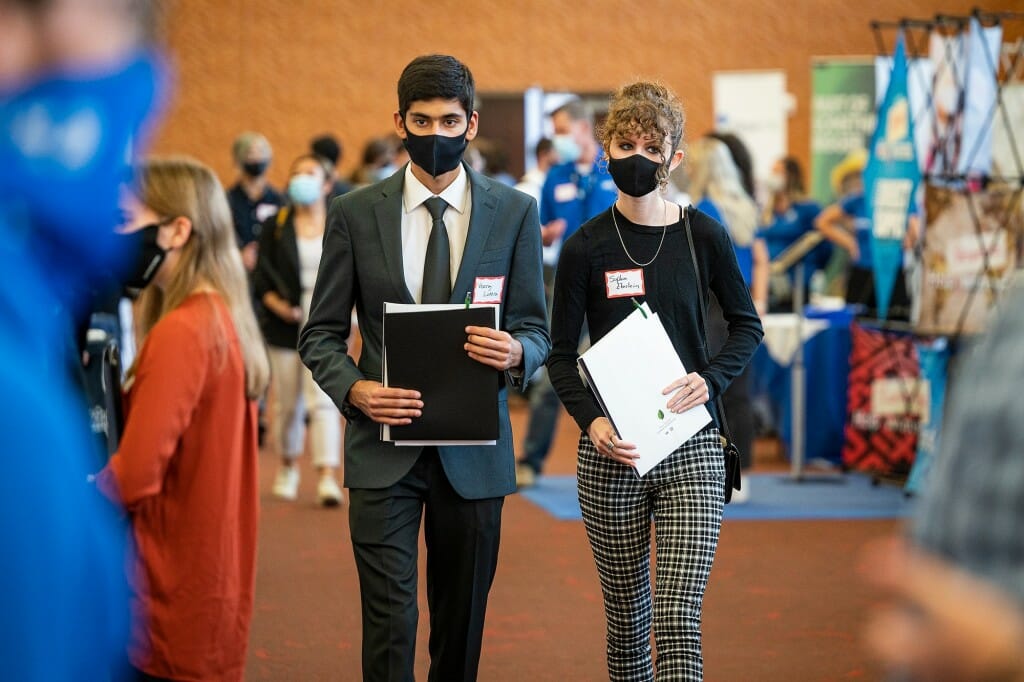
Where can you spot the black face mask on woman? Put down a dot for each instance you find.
(147, 257)
(635, 175)
(435, 154)
(255, 169)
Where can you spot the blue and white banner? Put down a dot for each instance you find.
(934, 359)
(920, 76)
(890, 180)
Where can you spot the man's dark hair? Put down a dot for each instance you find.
(326, 146)
(435, 76)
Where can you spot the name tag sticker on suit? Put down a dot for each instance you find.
(565, 192)
(488, 289)
(620, 283)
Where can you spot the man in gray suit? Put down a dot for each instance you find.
(408, 239)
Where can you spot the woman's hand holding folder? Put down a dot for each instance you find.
(608, 443)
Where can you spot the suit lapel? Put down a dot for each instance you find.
(388, 212)
(481, 219)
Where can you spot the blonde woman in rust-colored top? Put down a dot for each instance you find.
(186, 467)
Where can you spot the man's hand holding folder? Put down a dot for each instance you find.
(494, 348)
(384, 404)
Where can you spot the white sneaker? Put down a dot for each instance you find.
(328, 492)
(286, 483)
(526, 477)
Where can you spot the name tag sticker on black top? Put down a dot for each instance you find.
(488, 289)
(565, 192)
(264, 211)
(620, 283)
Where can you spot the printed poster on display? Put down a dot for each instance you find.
(971, 243)
(948, 54)
(887, 401)
(842, 116)
(1008, 134)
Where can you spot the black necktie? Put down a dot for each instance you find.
(437, 274)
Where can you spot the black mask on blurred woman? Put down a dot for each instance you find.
(436, 154)
(635, 175)
(145, 257)
(255, 169)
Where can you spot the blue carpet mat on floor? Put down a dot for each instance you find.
(772, 497)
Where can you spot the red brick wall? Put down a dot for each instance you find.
(294, 68)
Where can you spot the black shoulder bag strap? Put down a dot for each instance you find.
(732, 469)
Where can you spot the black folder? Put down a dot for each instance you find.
(424, 351)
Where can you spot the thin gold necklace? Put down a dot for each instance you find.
(664, 229)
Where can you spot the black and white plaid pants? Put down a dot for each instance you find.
(684, 496)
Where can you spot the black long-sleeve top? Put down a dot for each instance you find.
(671, 291)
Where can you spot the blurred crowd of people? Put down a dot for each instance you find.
(222, 275)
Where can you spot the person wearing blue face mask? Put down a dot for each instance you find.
(290, 246)
(574, 191)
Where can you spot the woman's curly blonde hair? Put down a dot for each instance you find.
(645, 108)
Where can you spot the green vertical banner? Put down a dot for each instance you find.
(842, 116)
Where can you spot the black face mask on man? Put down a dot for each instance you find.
(435, 154)
(635, 175)
(148, 257)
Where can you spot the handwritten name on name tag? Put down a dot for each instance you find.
(488, 289)
(619, 283)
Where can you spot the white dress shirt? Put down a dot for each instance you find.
(417, 223)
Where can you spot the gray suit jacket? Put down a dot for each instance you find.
(362, 267)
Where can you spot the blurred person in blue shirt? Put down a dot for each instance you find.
(574, 191)
(847, 224)
(790, 215)
(76, 87)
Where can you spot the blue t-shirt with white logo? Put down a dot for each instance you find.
(575, 197)
(855, 206)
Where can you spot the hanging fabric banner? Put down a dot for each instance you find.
(890, 181)
(920, 76)
(980, 88)
(934, 358)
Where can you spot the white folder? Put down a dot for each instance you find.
(627, 370)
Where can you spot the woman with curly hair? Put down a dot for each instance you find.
(656, 242)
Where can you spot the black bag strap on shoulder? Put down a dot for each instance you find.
(729, 451)
(704, 317)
